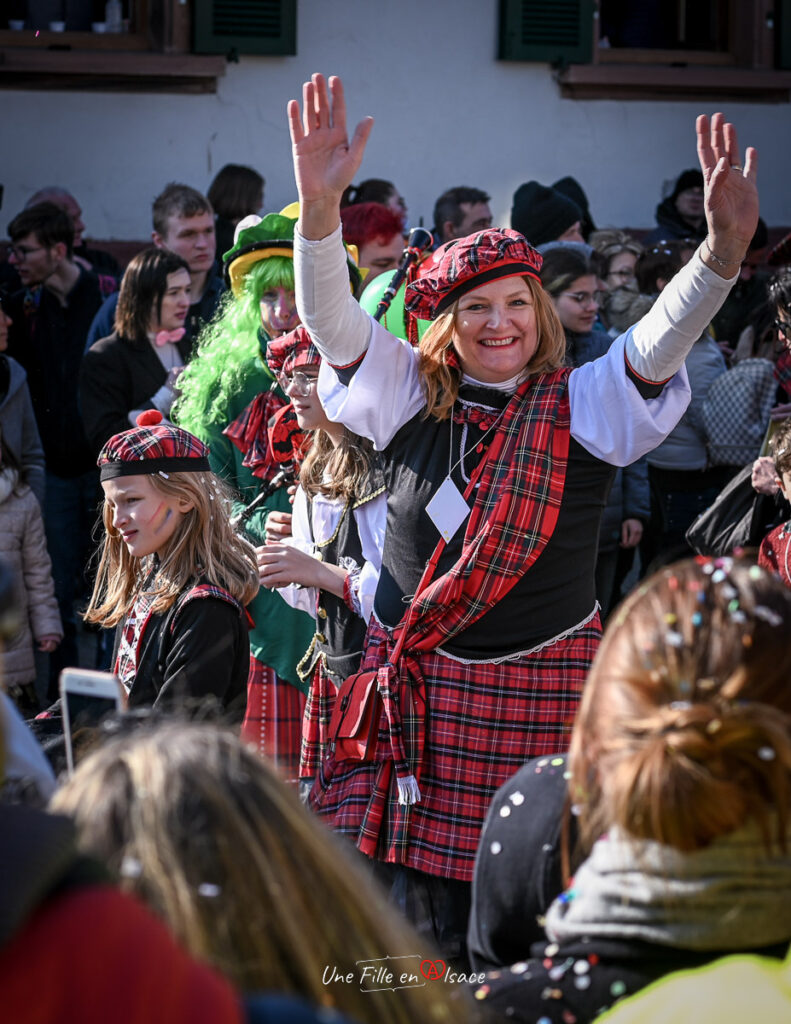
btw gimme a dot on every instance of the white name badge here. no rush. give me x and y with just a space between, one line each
447 510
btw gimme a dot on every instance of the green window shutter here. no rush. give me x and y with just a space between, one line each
246 26
551 31
782 19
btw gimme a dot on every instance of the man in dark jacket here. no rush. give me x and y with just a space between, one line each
51 315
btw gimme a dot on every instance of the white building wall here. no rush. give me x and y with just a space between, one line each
447 113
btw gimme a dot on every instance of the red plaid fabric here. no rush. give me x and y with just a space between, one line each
466 263
774 552
289 352
273 718
267 434
485 721
147 449
783 371
316 722
513 516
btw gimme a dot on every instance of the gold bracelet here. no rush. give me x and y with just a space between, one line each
718 259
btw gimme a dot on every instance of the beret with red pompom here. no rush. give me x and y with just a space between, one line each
466 263
153 446
289 352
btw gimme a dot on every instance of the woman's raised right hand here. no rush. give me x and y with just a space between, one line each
325 161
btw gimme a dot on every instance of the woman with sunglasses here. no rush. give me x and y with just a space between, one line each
499 639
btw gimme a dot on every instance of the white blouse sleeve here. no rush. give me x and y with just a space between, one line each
371 519
303 598
609 416
383 394
657 345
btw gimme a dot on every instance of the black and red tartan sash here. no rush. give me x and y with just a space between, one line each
514 514
267 434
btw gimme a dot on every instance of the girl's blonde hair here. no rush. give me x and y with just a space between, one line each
684 730
204 545
441 381
337 471
202 830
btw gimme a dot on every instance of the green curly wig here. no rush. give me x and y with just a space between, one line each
226 348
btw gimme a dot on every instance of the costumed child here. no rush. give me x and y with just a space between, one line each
330 567
23 548
229 399
173 576
774 552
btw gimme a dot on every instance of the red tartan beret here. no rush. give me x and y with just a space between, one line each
152 447
466 263
287 353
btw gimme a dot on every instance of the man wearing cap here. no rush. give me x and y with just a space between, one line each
183 223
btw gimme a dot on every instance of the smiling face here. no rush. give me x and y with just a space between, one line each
577 306
495 332
175 303
279 311
145 518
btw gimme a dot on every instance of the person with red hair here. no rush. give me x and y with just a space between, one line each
378 233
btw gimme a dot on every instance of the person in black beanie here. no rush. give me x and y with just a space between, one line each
543 214
571 189
681 214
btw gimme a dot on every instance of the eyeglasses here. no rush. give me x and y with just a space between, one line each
20 253
298 384
625 275
584 298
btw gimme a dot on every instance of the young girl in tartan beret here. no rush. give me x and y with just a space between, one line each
173 576
496 648
330 566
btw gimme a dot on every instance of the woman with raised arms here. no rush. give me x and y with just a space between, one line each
502 633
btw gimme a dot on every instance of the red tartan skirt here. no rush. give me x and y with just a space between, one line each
316 722
273 718
483 722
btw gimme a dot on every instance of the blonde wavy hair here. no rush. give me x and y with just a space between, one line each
441 381
684 729
202 830
204 545
337 471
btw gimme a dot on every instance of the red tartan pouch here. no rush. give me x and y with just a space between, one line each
354 726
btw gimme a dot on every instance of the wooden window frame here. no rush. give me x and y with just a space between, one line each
156 57
747 71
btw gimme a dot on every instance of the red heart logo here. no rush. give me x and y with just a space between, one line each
432 970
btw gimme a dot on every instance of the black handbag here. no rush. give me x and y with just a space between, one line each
737 518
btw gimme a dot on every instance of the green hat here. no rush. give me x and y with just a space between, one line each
257 238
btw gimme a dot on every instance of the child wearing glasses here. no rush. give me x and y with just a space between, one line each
330 566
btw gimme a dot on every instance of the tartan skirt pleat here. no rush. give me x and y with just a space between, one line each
484 721
273 718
